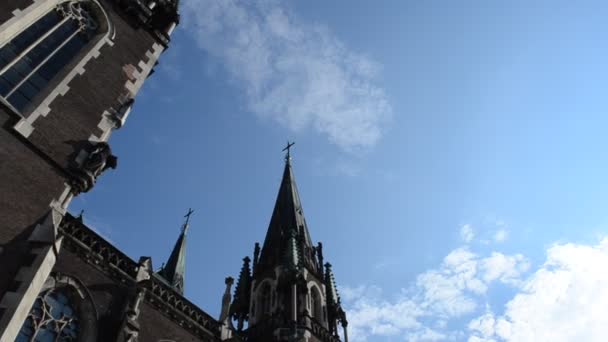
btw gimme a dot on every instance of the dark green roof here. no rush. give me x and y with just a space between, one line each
174 271
286 216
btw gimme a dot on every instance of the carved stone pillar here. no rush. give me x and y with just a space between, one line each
344 325
226 299
44 245
130 326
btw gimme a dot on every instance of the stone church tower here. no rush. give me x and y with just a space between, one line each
288 293
69 74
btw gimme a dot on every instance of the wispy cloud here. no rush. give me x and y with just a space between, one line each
466 233
296 73
488 230
501 235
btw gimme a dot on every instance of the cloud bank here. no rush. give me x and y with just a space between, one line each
566 299
563 299
421 312
295 73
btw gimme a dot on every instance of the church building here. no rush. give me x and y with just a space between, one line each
69 74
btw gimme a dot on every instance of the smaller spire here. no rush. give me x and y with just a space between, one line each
174 271
256 255
239 309
335 313
80 216
330 285
226 299
319 251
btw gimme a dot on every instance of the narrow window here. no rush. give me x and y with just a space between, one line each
317 306
264 301
30 60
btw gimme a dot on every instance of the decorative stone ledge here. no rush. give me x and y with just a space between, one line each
95 250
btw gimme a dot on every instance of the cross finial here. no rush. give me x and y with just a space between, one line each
288 149
79 217
187 216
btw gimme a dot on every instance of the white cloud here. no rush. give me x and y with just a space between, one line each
566 299
295 73
425 335
501 235
422 312
369 314
483 326
507 268
443 291
466 233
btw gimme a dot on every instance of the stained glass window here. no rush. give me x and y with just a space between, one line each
30 60
52 319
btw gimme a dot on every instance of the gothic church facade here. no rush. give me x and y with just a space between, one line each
69 74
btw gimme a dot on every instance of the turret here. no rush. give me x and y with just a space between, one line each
174 271
286 297
239 310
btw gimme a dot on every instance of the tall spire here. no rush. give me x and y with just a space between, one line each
174 270
287 216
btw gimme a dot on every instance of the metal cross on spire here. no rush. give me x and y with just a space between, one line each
288 149
187 216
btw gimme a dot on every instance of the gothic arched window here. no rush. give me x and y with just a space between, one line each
53 318
316 304
63 311
30 60
264 301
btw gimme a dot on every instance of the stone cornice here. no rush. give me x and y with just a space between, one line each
181 310
95 250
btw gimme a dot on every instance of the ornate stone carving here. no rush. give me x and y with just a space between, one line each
98 159
130 328
160 17
76 11
119 115
226 299
63 311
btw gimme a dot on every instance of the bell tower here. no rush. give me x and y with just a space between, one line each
288 293
70 71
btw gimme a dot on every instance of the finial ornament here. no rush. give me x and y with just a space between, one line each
80 217
288 149
187 216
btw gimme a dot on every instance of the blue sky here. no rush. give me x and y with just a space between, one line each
450 156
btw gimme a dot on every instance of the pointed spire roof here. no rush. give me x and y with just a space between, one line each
335 313
240 305
174 270
333 298
287 215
